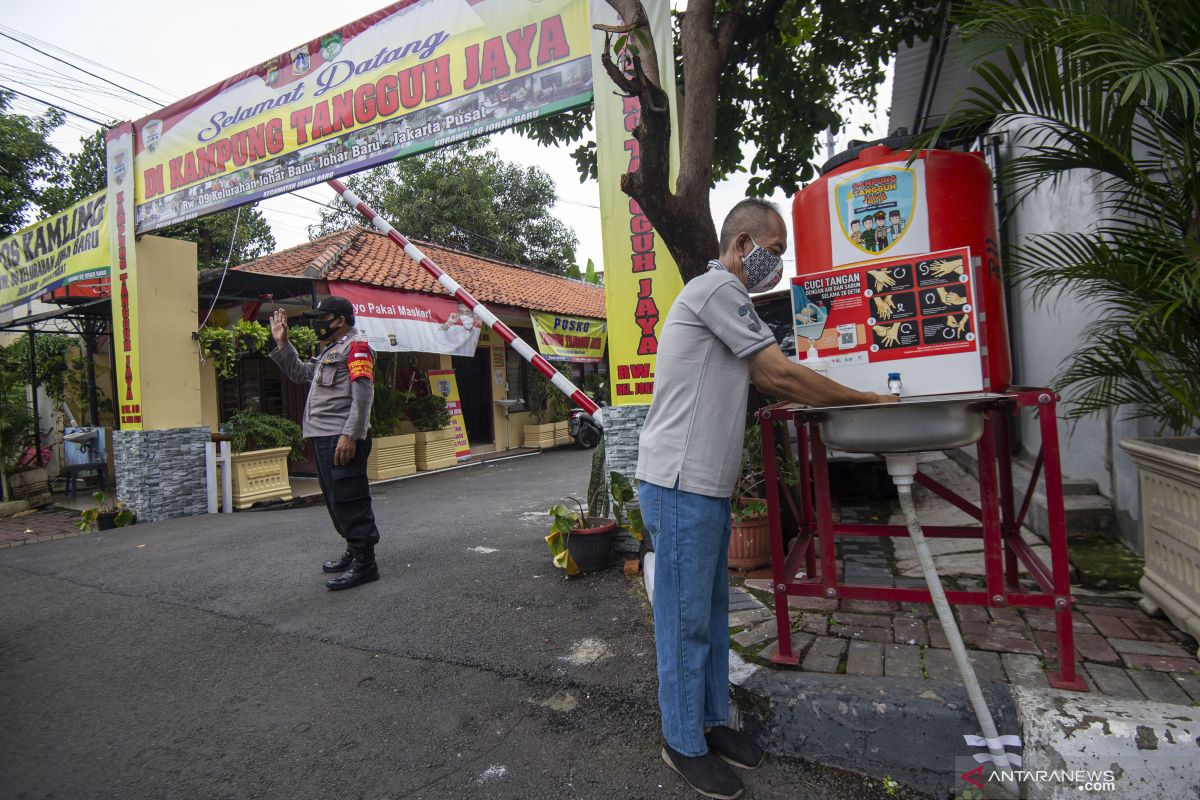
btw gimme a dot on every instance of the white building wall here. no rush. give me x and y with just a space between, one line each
1044 335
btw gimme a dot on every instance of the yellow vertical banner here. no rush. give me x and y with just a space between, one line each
444 382
641 280
124 276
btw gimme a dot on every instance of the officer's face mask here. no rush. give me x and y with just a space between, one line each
763 268
324 328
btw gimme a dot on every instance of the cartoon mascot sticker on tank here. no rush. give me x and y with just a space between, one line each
878 212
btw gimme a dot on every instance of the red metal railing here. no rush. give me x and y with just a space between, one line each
1005 553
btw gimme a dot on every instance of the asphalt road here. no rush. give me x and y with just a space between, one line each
203 658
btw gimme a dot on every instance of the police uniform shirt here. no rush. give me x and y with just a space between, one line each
339 399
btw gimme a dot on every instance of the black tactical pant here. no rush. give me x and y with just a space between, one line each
347 493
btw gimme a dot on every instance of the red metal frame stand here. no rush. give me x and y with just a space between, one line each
1005 552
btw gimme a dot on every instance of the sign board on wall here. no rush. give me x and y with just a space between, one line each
411 77
576 339
444 382
878 212
69 247
396 321
915 316
641 280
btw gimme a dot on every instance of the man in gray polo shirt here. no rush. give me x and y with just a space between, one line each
712 345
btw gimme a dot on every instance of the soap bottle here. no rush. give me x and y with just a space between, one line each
813 360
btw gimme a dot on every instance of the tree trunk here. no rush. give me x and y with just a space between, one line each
683 216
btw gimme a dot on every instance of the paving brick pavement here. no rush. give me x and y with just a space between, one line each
1120 651
38 526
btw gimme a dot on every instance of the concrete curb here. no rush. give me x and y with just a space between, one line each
904 728
912 730
1151 748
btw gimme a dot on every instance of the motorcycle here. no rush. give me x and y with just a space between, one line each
584 429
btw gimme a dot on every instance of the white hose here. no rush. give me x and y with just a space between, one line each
954 638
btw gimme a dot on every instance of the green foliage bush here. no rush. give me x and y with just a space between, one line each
258 431
388 410
429 413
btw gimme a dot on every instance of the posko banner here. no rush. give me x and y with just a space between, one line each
123 255
69 247
576 339
641 279
411 322
413 76
444 382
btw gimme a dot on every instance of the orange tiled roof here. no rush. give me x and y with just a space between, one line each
361 255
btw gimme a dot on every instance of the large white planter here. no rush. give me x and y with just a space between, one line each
436 449
260 475
392 457
562 433
540 436
1169 477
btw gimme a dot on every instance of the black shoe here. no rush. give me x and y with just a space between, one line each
362 569
734 747
707 774
340 565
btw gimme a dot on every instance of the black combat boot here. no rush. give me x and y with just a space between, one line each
341 564
362 569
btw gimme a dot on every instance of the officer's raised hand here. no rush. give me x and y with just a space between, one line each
279 327
344 452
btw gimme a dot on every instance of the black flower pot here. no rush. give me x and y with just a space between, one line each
593 548
108 521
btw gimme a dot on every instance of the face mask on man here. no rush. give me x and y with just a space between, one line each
763 268
323 328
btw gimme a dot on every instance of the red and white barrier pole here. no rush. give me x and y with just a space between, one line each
543 366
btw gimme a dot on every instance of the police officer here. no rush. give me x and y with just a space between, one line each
337 419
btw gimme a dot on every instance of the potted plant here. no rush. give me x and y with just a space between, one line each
393 454
560 409
581 543
1081 107
224 347
540 433
219 348
435 444
261 444
750 532
105 517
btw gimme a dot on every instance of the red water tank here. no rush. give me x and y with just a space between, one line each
871 204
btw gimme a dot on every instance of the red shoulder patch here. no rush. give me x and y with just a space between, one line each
360 361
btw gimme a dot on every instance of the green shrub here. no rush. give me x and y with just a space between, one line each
387 410
429 413
257 431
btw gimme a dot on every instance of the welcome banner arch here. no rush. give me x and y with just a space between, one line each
413 76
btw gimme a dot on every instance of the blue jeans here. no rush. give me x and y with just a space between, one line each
690 533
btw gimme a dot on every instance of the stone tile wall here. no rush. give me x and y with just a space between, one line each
622 431
160 474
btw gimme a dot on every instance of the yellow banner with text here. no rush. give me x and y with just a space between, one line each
641 280
576 339
68 247
124 277
408 78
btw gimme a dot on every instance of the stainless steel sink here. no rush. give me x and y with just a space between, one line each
914 425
